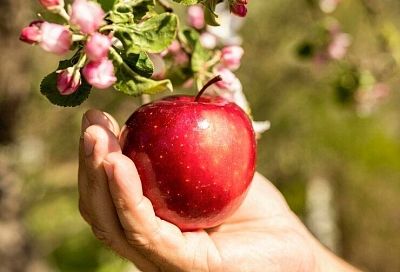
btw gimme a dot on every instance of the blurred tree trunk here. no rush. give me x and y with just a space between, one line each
14 68
16 251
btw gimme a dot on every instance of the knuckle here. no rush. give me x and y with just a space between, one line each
120 204
136 239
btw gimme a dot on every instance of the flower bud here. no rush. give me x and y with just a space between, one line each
52 4
87 15
229 80
68 81
196 17
55 38
239 9
32 33
97 47
208 40
100 74
231 56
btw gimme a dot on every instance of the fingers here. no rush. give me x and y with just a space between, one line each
159 240
95 201
104 119
92 117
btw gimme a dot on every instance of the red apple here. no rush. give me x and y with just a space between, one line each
195 158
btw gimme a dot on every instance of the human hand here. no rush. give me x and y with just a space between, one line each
262 235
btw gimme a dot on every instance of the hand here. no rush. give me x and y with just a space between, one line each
262 235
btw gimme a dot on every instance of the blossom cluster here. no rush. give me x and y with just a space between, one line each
84 21
229 56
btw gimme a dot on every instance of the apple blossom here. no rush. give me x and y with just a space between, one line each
68 81
229 80
52 4
227 32
231 56
32 33
100 74
175 47
87 15
55 38
208 40
196 17
98 46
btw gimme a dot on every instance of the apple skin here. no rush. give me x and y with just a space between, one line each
196 160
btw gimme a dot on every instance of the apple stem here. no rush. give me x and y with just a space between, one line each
208 84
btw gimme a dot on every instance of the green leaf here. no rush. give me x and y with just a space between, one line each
153 35
106 4
48 88
200 55
131 83
140 63
121 14
127 12
209 12
188 2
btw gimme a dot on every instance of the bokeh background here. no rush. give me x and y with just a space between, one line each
333 148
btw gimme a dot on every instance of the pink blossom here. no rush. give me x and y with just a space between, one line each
159 66
239 9
98 46
52 4
196 17
208 40
231 56
55 38
68 81
229 80
87 15
175 47
339 45
181 58
100 74
32 33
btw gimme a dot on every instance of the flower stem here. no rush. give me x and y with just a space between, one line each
81 61
63 13
77 37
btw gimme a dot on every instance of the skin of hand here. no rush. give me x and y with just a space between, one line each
262 235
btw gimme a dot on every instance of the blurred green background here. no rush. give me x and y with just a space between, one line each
322 140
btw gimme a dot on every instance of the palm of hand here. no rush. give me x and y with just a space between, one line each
261 235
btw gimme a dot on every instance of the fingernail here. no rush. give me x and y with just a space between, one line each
109 170
88 143
108 123
85 123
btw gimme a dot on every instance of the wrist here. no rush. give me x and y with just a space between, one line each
326 261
